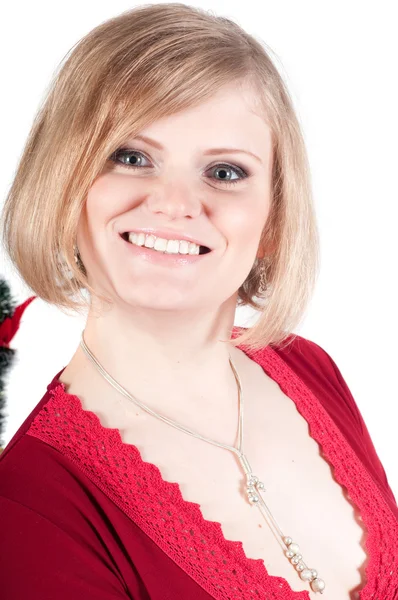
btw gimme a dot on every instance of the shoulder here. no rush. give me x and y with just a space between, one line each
296 349
30 464
320 372
38 409
41 484
35 474
54 530
304 367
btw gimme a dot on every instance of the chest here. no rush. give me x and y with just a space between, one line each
300 489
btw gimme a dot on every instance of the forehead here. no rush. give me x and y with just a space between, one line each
232 116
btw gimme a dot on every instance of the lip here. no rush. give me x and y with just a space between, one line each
162 258
167 234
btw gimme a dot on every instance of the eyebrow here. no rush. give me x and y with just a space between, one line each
209 152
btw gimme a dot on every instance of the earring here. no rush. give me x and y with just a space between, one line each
76 253
77 257
262 277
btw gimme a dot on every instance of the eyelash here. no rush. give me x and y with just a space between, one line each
122 151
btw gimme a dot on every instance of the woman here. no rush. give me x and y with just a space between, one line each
165 181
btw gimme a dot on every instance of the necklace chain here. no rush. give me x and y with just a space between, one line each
122 390
254 486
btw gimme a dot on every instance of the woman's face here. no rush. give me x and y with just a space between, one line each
183 180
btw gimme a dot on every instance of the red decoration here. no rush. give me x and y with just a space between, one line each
10 325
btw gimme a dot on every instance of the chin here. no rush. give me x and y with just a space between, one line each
158 298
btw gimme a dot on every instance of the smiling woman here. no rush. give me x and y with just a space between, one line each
98 119
166 175
213 204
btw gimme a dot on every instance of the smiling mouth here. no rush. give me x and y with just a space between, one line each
202 249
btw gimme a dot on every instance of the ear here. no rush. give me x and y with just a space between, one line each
260 252
267 248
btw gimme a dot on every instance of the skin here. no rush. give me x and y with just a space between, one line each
165 320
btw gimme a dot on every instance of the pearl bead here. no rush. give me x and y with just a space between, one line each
300 566
314 573
260 485
289 553
295 548
288 541
318 585
295 560
306 575
253 499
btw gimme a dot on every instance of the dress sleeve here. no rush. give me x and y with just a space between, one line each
39 560
53 541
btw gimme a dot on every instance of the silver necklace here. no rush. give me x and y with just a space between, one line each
254 487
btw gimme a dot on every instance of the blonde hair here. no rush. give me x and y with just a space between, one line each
131 70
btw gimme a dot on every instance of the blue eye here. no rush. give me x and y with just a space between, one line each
133 159
225 169
129 158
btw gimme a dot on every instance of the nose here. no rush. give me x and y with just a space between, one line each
175 199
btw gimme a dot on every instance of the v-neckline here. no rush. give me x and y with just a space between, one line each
335 450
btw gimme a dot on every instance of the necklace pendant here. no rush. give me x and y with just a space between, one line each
253 486
306 574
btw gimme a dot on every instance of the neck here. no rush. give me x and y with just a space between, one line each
162 360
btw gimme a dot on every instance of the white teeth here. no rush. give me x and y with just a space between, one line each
160 244
140 239
149 241
184 247
163 245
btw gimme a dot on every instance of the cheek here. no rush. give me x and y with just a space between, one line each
244 221
109 196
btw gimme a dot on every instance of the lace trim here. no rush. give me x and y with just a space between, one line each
178 527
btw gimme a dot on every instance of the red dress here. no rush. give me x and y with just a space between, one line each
83 517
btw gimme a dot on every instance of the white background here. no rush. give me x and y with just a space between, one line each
340 63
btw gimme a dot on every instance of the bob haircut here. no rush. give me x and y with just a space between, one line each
142 65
